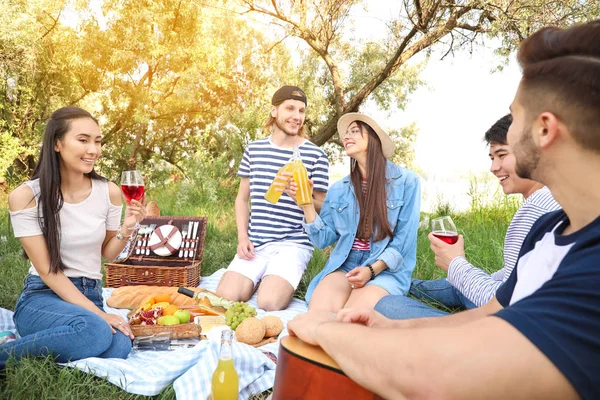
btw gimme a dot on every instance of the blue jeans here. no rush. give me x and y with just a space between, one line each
439 290
47 324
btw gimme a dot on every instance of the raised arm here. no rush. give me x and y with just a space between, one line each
319 199
111 247
320 227
476 284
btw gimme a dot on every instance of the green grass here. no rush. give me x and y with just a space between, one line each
483 228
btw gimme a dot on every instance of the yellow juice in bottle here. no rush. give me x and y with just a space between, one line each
272 195
225 381
303 192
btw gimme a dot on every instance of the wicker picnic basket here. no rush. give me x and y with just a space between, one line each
177 331
161 271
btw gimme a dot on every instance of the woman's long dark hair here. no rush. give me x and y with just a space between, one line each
372 205
47 171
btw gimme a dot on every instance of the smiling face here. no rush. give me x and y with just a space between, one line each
80 147
355 140
504 168
289 116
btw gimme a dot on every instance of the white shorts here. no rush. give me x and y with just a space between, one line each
286 260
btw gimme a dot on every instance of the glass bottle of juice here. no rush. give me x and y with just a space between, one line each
272 195
300 176
225 380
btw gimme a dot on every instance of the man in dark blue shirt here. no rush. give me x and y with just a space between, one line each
540 336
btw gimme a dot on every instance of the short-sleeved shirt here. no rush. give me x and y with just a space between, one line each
281 222
83 229
553 298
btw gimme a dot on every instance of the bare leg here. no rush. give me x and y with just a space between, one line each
331 293
274 293
367 296
235 287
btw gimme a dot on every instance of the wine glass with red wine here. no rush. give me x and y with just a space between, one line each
132 186
443 228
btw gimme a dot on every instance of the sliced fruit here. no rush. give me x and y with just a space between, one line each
162 298
144 307
170 310
162 304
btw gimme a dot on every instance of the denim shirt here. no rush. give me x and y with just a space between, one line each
338 222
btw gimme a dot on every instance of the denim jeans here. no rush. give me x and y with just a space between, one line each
438 291
47 324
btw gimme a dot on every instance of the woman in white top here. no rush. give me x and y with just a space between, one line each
67 218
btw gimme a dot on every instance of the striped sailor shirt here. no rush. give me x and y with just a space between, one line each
479 286
281 222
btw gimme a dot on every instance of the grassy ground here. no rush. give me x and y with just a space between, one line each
484 229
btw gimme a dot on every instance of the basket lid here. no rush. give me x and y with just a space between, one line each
165 240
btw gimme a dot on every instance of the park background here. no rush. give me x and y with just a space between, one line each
181 87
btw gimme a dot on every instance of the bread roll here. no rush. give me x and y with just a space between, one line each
152 209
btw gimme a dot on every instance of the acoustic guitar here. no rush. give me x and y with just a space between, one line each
307 372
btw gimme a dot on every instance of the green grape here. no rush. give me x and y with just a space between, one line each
237 313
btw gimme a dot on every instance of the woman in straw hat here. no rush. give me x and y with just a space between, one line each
373 215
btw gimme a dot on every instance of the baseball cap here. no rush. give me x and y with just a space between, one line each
288 92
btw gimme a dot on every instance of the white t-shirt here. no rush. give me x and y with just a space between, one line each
538 266
83 229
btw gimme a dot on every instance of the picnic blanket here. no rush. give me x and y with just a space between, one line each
190 370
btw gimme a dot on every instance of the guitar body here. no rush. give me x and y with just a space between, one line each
306 372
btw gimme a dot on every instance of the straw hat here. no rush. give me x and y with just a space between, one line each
345 120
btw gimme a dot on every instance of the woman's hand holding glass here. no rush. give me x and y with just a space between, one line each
135 212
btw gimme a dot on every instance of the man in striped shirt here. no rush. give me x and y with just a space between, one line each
466 285
273 248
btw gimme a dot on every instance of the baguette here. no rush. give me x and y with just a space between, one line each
131 297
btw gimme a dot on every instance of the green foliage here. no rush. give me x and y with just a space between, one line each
166 79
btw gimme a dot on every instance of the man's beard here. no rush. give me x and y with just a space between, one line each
282 128
527 156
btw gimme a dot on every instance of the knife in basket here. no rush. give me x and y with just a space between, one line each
183 252
194 238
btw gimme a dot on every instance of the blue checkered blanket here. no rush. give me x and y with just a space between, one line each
189 370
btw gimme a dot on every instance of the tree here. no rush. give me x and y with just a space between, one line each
166 77
377 68
27 87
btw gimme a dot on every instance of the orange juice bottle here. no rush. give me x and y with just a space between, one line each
225 380
300 176
303 192
272 195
